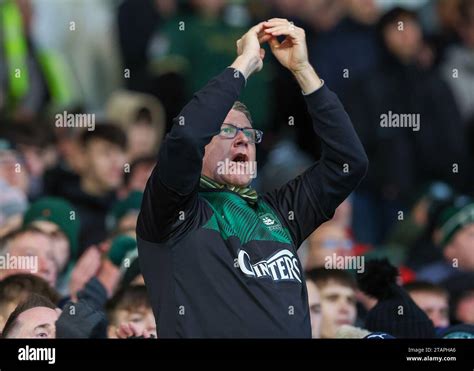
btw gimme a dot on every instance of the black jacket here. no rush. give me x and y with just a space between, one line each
84 319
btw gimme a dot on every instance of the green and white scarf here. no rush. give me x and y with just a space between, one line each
247 193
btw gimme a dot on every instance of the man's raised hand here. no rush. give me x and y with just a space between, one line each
292 52
250 54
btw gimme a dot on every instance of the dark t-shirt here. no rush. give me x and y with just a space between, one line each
218 266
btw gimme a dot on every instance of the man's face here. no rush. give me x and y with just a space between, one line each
231 161
461 248
39 322
364 11
465 309
9 165
314 302
141 138
434 305
33 244
36 159
328 239
104 162
142 318
338 306
59 240
128 222
403 38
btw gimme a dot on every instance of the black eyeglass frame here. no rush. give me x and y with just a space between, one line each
258 133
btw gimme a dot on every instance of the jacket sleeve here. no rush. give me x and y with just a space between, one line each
86 318
170 196
311 199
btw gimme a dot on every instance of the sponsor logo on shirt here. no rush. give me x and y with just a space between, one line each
281 266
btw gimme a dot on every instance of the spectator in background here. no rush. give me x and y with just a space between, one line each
314 302
35 143
16 288
90 66
461 289
135 37
197 45
136 178
131 305
45 79
338 304
26 92
444 34
30 242
103 155
142 118
425 249
395 312
354 34
416 236
456 236
13 171
13 186
458 68
402 159
330 238
123 215
323 15
432 299
351 26
57 218
34 318
292 122
104 264
38 317
65 175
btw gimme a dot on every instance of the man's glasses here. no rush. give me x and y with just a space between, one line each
230 131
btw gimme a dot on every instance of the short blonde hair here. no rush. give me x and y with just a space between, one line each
239 106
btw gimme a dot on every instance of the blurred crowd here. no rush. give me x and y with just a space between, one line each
89 88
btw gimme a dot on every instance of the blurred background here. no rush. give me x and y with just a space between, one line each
131 65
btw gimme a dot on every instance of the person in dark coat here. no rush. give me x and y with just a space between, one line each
409 124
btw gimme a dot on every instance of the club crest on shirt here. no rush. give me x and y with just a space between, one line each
270 222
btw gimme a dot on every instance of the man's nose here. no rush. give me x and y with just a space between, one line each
241 139
46 266
344 307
